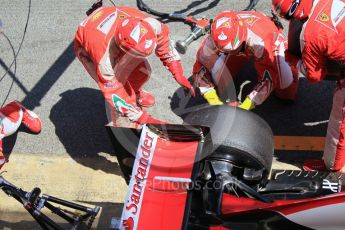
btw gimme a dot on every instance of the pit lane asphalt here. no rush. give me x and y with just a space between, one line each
48 79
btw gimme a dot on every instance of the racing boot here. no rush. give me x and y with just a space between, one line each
145 99
212 98
314 165
30 119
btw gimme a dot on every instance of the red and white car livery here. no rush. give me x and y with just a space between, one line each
179 181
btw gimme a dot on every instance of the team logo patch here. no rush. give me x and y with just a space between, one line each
148 43
268 80
122 16
97 16
223 22
332 15
222 36
333 186
138 32
121 105
324 17
143 30
226 24
249 19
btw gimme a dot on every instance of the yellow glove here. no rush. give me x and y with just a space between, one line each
212 98
247 104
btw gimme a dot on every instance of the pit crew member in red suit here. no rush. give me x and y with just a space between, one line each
113 44
236 38
322 39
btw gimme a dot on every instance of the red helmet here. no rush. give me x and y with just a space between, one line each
298 9
228 31
136 37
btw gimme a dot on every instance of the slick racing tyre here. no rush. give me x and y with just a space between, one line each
237 136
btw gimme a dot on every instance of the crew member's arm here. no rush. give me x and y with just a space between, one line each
167 53
260 92
85 59
207 58
114 91
119 94
313 63
206 55
264 62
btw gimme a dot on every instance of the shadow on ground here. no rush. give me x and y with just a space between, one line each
308 116
193 6
10 141
8 144
79 118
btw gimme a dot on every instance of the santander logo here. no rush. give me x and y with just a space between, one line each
128 224
132 206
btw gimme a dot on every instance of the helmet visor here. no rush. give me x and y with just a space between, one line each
292 9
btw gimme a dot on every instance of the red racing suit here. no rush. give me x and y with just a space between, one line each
323 38
266 44
120 75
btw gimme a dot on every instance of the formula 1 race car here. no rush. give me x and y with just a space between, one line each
214 172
